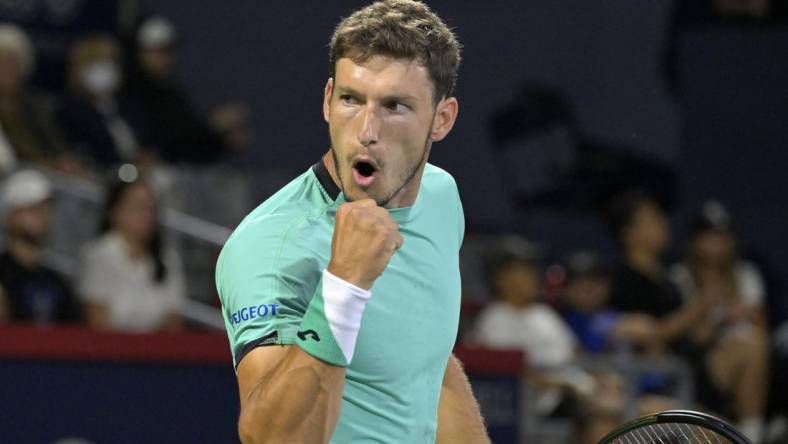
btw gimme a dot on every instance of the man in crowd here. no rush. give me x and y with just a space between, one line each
29 290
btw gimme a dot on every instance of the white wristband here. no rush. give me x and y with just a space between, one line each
344 304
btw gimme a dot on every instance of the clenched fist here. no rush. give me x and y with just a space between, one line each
365 238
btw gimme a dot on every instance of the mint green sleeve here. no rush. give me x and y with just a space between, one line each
315 336
266 280
460 218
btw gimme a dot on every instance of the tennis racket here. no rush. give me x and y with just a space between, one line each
676 427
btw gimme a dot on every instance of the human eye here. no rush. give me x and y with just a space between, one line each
348 99
395 106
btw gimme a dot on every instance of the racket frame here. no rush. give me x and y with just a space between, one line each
680 417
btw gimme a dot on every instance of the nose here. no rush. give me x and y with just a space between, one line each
370 127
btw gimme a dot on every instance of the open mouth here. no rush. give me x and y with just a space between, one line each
364 173
366 169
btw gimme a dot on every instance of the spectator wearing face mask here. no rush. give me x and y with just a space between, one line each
105 128
180 133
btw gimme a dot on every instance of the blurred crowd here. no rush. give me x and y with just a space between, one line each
128 280
122 103
122 123
583 323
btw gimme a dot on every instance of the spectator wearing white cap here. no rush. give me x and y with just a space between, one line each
29 290
181 134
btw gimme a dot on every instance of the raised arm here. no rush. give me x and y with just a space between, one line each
459 418
293 393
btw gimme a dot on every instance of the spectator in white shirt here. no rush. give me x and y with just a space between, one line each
129 281
516 319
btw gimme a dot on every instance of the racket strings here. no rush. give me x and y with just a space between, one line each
671 433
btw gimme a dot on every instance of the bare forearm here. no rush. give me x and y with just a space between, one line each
298 401
459 418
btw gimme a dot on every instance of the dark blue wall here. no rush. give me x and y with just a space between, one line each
604 57
113 403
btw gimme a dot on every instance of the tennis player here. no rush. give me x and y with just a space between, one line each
341 292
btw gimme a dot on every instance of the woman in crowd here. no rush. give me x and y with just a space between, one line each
129 280
729 343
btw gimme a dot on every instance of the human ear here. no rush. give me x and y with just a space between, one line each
328 91
445 116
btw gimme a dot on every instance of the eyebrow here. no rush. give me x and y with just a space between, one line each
398 98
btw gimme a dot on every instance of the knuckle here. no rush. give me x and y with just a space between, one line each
383 235
356 213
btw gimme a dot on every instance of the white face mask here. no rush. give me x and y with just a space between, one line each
100 77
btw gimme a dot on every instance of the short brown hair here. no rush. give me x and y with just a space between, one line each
402 29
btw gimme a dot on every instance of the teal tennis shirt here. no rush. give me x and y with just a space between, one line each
269 270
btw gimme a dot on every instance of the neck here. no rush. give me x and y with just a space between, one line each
644 261
406 196
25 253
134 248
518 305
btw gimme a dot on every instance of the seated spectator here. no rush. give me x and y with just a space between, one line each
585 303
105 128
599 328
29 290
729 342
129 280
28 132
641 284
602 331
180 133
712 261
516 319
